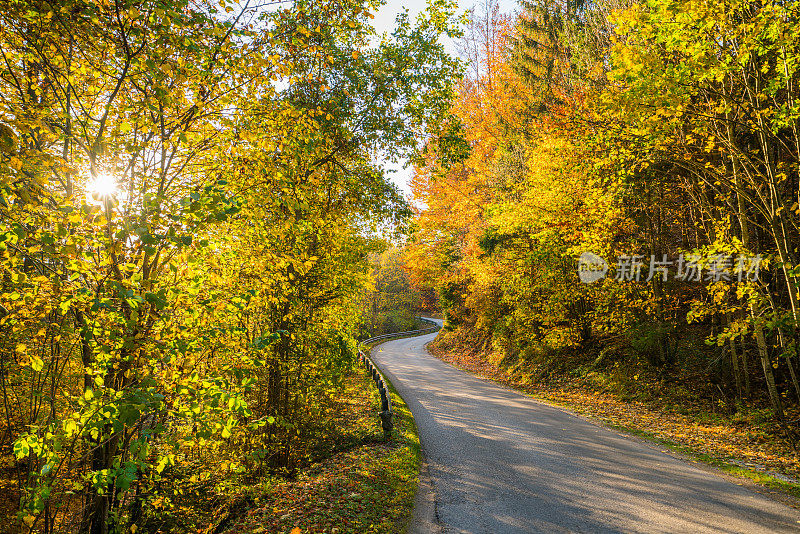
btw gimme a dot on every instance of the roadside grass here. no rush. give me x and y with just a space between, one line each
368 488
740 445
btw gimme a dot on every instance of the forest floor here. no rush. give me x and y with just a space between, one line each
368 487
742 445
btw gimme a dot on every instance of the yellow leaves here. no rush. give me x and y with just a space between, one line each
15 163
624 19
70 429
36 363
40 280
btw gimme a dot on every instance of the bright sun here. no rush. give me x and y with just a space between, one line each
102 186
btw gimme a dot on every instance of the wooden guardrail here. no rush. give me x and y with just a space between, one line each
387 416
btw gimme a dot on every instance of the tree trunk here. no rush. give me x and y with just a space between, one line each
737 375
766 364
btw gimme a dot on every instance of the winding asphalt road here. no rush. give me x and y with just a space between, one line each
501 462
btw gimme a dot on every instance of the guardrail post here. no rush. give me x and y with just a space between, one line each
387 424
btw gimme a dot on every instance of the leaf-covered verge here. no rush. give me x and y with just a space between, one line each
742 444
362 484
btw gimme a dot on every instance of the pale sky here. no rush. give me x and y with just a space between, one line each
385 21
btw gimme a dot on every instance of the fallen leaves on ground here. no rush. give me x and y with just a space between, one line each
367 489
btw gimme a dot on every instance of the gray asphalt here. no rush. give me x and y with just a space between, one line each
501 462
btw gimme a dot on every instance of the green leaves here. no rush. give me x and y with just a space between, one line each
21 448
158 300
216 283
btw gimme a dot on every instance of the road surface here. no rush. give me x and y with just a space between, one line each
500 462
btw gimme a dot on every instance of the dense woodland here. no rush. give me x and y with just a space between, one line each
663 130
188 205
392 303
194 232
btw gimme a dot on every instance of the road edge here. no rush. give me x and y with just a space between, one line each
424 518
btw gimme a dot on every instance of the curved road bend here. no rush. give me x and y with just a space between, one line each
501 462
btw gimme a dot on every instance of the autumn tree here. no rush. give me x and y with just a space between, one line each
659 131
187 203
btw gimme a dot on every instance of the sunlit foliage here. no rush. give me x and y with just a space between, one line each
187 204
624 128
